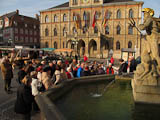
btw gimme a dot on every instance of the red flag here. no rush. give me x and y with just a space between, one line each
94 19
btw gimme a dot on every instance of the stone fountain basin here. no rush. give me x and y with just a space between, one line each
45 101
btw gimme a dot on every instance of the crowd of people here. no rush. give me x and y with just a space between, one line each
35 77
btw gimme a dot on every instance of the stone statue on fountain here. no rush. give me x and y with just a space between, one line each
148 72
146 81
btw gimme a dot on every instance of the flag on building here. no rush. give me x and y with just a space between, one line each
94 19
105 19
78 21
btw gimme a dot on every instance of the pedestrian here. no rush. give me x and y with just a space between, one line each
80 71
7 74
123 67
21 74
110 69
23 104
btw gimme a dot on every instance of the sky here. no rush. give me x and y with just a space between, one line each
32 7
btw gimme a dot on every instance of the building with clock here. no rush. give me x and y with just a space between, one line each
92 27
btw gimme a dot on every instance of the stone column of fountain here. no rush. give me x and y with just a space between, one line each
146 82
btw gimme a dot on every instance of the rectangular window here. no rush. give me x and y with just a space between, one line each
21 39
16 38
35 32
16 30
35 40
26 39
31 39
21 31
31 32
26 32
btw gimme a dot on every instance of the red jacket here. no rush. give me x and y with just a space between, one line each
110 71
68 75
112 60
85 58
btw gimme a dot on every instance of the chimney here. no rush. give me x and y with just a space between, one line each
17 11
37 16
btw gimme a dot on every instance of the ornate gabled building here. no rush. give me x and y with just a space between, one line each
92 27
16 29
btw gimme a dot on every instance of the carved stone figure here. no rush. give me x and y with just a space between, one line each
150 66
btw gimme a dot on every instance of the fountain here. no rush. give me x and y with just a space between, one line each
146 82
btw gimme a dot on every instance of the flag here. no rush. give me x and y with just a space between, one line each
105 19
85 19
78 21
94 19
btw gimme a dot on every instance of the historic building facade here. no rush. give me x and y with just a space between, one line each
16 29
91 27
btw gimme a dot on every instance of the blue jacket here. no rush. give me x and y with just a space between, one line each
79 72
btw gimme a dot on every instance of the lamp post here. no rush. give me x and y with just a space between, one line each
10 42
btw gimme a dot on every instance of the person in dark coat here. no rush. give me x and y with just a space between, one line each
133 64
123 66
23 104
21 74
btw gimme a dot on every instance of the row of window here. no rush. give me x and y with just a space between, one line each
74 31
118 46
25 25
86 16
75 2
27 32
25 39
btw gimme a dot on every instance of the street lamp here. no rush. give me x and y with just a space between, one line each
10 42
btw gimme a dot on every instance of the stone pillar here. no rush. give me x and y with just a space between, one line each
86 48
98 46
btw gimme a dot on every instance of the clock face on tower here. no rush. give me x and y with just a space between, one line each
85 1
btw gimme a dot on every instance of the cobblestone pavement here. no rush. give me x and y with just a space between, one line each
7 101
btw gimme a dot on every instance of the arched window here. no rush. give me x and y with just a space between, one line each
75 2
55 32
74 30
129 44
130 30
94 45
84 16
74 17
72 46
55 45
64 31
46 44
55 18
118 45
64 17
95 30
46 32
118 30
46 19
106 30
130 13
118 14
